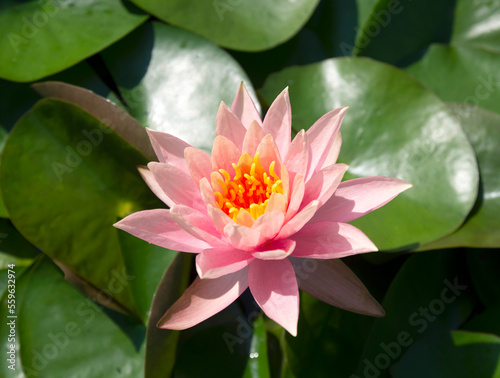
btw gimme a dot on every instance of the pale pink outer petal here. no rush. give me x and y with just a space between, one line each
224 154
297 158
278 122
244 108
333 155
331 281
177 185
357 197
217 262
242 237
321 138
150 180
199 164
203 299
276 250
252 138
269 224
274 287
296 197
197 224
228 125
298 221
331 240
323 183
168 149
158 227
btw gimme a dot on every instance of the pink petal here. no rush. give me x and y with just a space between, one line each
224 154
197 224
334 150
168 148
298 154
199 164
203 299
274 287
269 224
321 138
357 197
275 250
298 190
244 108
331 240
158 227
252 138
150 180
278 122
207 193
242 237
217 262
268 152
228 125
277 201
220 218
331 281
299 220
244 218
177 185
323 183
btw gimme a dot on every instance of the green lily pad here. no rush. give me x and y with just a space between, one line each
14 249
394 127
457 354
483 266
68 335
461 74
173 80
429 294
328 338
161 344
41 38
486 322
236 24
480 229
391 30
87 177
476 24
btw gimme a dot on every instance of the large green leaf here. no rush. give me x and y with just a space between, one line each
476 24
41 38
392 30
461 74
456 354
173 80
237 24
395 128
63 334
87 177
429 294
480 230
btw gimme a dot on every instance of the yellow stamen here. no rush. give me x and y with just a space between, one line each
249 189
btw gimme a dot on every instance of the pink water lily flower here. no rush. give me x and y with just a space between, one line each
262 212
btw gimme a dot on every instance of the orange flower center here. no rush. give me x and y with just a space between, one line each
250 188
